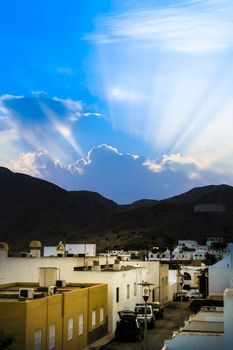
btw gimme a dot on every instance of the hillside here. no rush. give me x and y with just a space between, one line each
35 209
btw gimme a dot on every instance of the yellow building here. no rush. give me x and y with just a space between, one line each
163 283
62 318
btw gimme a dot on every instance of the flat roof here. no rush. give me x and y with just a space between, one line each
199 334
208 316
10 292
204 327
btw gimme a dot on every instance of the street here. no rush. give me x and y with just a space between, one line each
163 329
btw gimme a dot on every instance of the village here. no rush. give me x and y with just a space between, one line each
69 297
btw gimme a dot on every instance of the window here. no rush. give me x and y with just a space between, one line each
117 294
52 336
135 289
187 276
101 314
70 328
128 291
37 339
93 318
80 324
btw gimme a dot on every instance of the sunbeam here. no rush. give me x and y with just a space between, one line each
162 72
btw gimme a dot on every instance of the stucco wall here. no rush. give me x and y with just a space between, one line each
219 279
23 318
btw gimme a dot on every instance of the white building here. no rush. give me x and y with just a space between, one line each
200 255
191 274
207 330
188 244
158 255
203 331
71 249
122 279
221 275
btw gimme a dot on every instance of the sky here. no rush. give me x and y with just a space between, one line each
132 99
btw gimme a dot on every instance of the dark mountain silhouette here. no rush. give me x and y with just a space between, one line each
36 209
217 194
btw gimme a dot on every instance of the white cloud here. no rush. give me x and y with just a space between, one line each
90 114
8 135
48 125
65 70
191 27
74 108
121 94
118 176
9 97
38 93
32 163
153 166
177 158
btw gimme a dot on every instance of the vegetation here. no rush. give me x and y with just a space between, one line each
6 340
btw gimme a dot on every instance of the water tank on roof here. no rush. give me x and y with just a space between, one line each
4 246
35 245
47 276
60 249
35 249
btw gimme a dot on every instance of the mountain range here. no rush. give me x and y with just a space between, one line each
31 208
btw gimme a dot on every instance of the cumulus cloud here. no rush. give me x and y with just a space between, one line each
32 163
38 122
118 176
41 165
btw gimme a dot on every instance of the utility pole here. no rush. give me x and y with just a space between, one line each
145 293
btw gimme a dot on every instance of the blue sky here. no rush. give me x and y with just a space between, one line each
132 99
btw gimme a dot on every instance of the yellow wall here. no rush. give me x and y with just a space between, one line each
36 318
97 298
41 314
23 318
75 303
12 321
163 283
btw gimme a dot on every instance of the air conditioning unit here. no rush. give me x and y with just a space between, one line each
26 293
60 283
24 254
52 290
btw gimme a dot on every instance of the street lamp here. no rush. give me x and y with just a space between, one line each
145 293
181 284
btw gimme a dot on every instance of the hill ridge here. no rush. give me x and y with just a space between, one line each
31 208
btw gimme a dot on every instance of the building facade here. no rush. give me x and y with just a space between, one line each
68 319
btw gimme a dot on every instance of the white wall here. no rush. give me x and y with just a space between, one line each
116 279
201 342
17 269
87 249
220 275
228 319
219 279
